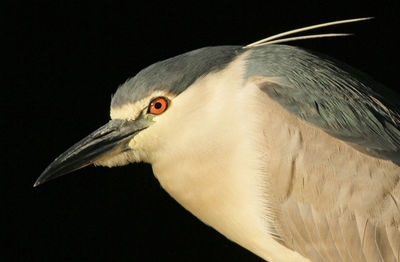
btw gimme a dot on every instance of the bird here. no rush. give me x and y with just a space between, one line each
293 155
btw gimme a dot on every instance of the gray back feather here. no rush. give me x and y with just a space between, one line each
341 100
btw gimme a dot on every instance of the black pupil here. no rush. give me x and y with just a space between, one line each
158 105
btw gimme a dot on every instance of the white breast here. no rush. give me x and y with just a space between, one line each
213 165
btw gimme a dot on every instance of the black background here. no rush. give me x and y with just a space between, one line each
62 61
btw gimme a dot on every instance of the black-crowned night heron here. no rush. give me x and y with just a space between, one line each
291 154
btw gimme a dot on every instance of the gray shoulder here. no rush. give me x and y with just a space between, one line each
331 95
175 74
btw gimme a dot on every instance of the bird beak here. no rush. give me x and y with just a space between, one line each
110 139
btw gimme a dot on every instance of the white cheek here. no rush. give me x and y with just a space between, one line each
145 143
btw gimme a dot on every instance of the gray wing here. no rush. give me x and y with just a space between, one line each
331 95
330 202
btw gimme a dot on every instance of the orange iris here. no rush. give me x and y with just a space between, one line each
158 105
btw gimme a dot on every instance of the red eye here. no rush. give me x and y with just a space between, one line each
158 105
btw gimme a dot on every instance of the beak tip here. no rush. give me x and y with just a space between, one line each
38 182
46 175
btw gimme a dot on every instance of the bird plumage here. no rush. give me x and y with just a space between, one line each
328 196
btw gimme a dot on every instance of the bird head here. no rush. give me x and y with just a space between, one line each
144 112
